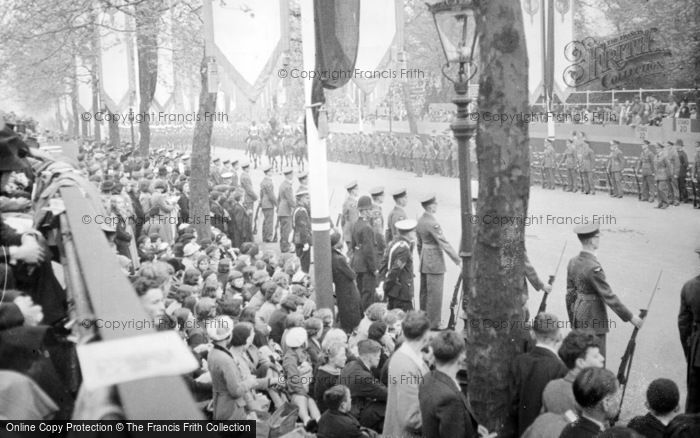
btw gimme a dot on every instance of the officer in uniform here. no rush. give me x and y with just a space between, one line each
301 223
689 329
662 168
398 286
285 204
616 162
549 163
645 170
377 220
569 162
397 214
268 203
431 244
303 179
588 168
675 168
215 173
682 171
364 259
350 214
247 186
587 291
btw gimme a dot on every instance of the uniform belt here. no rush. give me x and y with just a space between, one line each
588 297
431 245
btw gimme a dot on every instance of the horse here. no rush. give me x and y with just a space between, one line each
274 150
301 152
256 146
288 149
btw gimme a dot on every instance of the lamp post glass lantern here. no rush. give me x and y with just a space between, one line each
456 27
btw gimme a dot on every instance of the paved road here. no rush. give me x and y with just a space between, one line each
637 241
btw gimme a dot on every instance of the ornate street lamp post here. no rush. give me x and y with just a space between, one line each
456 27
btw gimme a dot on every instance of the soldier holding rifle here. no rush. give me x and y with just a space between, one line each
588 292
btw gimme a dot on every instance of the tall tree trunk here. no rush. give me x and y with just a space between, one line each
59 116
201 157
502 151
147 20
74 102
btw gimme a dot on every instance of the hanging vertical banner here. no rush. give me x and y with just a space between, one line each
114 60
563 35
378 37
249 39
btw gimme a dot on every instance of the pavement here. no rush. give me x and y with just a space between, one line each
637 242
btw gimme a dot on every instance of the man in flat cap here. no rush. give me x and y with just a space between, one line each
397 214
587 291
301 223
286 203
662 168
645 169
350 214
268 203
689 329
431 244
364 260
398 286
616 162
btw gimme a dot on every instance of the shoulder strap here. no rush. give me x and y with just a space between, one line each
396 245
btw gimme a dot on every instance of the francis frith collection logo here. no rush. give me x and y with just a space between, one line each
631 55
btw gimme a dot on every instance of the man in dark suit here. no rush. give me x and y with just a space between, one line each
363 250
368 394
286 204
445 411
597 392
240 226
530 372
301 223
689 328
431 245
587 291
398 285
247 186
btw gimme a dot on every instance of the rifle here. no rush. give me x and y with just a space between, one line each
695 192
543 303
277 225
636 179
610 185
455 304
255 219
623 373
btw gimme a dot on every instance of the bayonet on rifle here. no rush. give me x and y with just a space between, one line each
543 303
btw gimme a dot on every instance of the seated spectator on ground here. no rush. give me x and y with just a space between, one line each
328 373
314 329
662 401
277 319
325 315
579 350
368 393
298 373
336 421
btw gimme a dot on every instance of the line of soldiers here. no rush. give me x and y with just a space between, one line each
660 171
434 154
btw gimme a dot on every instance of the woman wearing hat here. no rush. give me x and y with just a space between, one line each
231 388
165 210
299 372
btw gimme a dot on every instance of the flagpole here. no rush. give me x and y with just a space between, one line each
318 172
